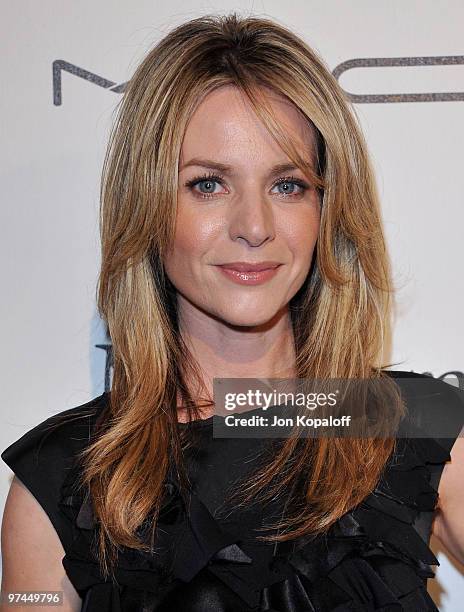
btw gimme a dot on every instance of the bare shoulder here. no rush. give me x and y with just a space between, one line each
448 526
31 549
451 486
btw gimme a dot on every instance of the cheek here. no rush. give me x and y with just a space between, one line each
193 237
185 247
305 243
186 238
302 235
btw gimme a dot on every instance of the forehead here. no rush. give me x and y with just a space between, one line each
225 125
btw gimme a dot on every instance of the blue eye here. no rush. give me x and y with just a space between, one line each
208 183
209 180
289 183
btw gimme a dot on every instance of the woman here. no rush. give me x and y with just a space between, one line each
234 150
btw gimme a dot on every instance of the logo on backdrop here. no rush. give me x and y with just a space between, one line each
60 66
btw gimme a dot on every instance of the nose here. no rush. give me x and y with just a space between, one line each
252 219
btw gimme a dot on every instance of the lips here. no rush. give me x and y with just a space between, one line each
243 266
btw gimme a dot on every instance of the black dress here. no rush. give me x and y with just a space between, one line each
207 558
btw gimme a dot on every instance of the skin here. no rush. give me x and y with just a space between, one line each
448 525
32 552
233 330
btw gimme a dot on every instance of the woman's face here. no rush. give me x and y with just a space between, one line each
237 203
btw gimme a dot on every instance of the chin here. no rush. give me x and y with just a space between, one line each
247 319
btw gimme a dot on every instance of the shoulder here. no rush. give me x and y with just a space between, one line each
42 457
433 456
423 386
448 525
57 437
435 408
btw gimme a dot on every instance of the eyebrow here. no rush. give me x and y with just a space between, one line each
228 170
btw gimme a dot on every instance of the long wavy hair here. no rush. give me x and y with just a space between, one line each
341 315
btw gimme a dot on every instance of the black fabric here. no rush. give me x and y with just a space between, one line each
207 557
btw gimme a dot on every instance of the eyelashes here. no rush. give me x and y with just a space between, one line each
216 178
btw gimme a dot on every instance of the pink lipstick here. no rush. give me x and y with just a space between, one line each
247 273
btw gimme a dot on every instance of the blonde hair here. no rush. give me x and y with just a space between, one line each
340 316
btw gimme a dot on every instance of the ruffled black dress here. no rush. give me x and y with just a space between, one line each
207 557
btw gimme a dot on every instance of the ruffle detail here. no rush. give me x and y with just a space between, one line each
372 559
187 540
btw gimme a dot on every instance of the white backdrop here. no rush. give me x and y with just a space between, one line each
53 151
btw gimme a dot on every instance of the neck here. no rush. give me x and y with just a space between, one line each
227 351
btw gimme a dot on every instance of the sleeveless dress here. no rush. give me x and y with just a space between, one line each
376 557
